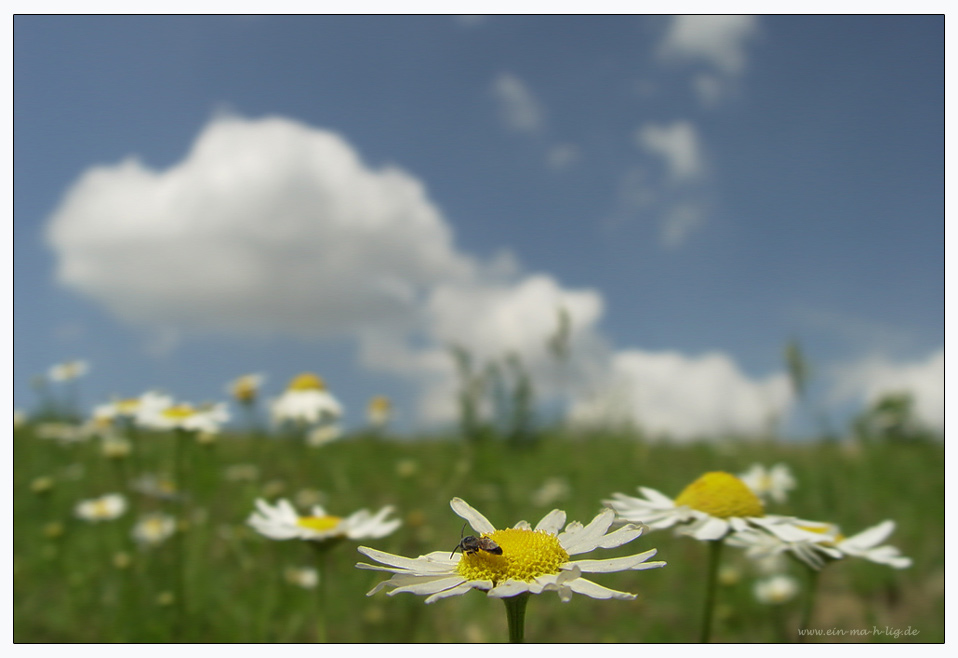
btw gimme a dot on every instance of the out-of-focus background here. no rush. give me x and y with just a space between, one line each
201 196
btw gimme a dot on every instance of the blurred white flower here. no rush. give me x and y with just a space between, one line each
816 543
159 413
379 410
553 490
115 447
305 577
776 589
20 418
68 371
323 434
774 483
283 522
245 389
104 508
306 401
62 432
153 529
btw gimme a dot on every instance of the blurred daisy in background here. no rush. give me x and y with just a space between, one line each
160 413
245 389
774 482
379 410
68 371
154 529
306 402
104 508
305 577
815 543
282 521
776 589
323 434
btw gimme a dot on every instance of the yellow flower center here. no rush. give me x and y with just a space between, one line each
307 382
721 495
179 412
319 523
526 554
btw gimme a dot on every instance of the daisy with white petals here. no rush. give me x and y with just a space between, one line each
710 508
774 482
306 401
513 563
283 522
815 543
160 413
104 508
321 531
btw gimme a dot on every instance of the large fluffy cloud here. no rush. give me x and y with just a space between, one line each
874 377
274 226
667 393
266 225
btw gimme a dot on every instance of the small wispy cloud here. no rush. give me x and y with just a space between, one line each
518 107
717 44
677 144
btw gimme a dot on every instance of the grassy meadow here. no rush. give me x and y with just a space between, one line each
217 580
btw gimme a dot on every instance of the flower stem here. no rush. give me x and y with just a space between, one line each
321 563
516 614
715 553
809 600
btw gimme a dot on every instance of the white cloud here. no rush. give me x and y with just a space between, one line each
518 107
667 393
266 225
717 41
272 226
677 144
870 379
562 156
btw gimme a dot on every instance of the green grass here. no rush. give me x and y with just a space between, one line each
68 589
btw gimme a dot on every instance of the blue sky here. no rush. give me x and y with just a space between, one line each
200 197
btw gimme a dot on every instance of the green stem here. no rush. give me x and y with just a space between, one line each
715 553
321 562
516 614
809 599
181 440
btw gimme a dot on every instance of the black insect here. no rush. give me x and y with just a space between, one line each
470 545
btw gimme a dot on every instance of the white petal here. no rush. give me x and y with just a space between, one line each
509 588
522 525
466 511
422 564
870 537
460 589
425 586
552 522
596 591
623 535
707 528
586 539
615 563
656 497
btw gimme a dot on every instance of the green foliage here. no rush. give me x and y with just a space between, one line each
69 586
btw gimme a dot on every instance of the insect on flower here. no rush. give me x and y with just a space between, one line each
471 545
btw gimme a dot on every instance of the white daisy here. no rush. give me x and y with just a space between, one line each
776 589
104 508
816 543
532 560
708 509
159 413
379 410
305 577
774 483
245 389
306 401
153 529
68 371
283 522
323 434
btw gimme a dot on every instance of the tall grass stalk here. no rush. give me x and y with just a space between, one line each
715 556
